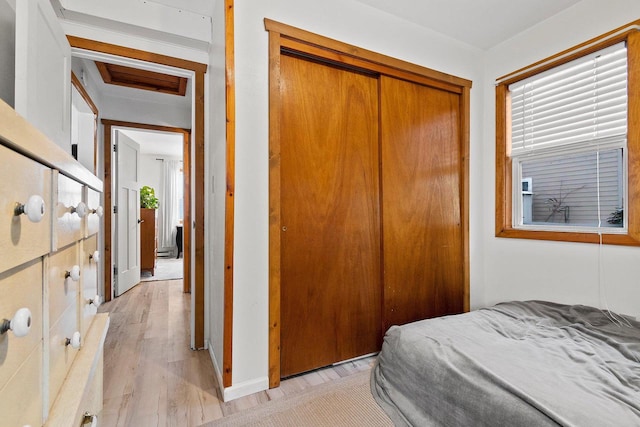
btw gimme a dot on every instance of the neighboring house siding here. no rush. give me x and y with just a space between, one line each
572 181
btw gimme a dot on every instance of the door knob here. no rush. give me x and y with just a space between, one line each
140 221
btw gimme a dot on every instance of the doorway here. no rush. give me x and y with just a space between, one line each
158 159
163 155
193 232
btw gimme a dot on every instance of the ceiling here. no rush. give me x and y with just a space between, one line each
156 142
126 93
136 78
480 23
202 7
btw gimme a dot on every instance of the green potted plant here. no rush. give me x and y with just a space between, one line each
148 199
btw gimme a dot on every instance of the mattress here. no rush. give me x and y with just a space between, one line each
529 363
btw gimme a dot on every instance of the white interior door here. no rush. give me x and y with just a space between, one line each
43 71
128 210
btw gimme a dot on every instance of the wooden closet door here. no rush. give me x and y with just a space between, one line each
330 253
421 202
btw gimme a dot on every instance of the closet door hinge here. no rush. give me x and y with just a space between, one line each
115 148
115 209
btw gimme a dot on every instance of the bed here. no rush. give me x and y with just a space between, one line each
529 363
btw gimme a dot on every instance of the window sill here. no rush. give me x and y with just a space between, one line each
563 236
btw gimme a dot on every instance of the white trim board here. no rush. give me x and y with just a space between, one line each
238 390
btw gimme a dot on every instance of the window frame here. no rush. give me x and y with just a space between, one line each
504 166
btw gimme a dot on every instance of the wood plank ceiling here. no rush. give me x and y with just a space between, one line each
142 79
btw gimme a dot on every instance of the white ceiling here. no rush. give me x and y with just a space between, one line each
157 143
479 23
202 7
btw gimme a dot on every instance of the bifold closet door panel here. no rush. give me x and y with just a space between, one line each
421 193
330 238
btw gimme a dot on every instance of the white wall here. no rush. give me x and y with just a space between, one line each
119 36
138 111
151 173
353 23
561 272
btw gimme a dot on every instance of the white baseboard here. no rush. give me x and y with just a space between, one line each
216 367
245 388
242 389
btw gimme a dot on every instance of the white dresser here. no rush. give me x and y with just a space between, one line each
51 353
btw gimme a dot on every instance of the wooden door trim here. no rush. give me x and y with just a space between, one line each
275 243
283 37
465 133
186 217
199 165
344 53
230 106
126 52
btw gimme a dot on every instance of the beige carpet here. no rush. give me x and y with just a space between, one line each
344 402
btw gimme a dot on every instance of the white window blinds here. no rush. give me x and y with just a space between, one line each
583 102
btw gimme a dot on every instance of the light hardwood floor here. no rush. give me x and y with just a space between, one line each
152 378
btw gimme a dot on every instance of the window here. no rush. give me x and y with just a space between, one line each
565 149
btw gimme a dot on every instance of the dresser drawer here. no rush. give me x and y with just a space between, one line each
92 399
82 389
22 240
69 219
62 291
88 306
61 355
92 200
21 397
20 287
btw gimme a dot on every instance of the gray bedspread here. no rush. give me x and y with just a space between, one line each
515 364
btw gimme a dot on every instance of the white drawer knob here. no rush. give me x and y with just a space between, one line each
81 210
74 273
96 301
98 211
95 256
34 208
20 323
74 341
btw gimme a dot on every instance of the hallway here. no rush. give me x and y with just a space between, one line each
151 377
